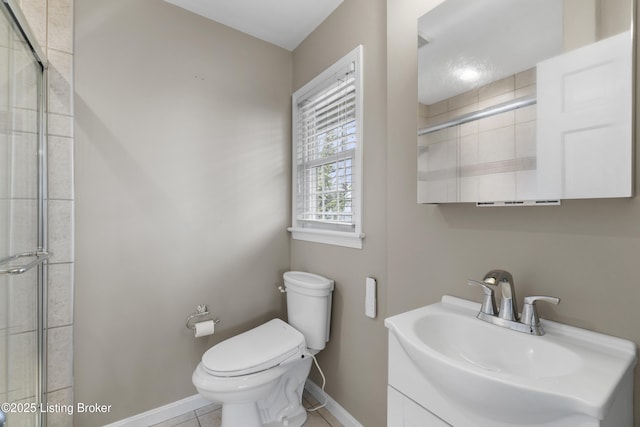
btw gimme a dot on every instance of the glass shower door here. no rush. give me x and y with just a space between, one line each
22 227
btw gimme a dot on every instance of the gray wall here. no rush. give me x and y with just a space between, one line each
355 358
585 251
182 185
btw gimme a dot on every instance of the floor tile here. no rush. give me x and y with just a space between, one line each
211 419
309 401
184 420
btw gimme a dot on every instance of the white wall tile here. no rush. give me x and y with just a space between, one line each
526 114
24 233
60 295
468 189
61 230
35 11
59 358
468 150
60 170
23 363
527 185
24 178
438 108
59 125
23 297
526 140
495 100
466 99
497 121
526 91
4 356
60 23
60 418
60 78
497 88
5 172
497 187
498 144
526 78
4 322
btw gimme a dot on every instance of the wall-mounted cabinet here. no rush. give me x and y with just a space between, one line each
533 101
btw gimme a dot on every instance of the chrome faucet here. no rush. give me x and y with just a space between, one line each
507 316
504 280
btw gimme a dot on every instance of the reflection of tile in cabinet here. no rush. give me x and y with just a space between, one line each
497 88
465 99
525 78
526 140
497 144
496 187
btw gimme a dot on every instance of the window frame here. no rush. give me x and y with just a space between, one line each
333 234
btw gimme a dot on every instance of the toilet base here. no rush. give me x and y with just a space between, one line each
283 408
275 401
244 413
247 415
296 421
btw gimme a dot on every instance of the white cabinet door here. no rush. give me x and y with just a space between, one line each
584 147
404 412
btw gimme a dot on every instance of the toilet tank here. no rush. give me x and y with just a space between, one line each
309 306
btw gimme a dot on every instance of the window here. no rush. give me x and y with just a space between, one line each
327 156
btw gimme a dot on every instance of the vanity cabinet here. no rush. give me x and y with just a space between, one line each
404 412
416 400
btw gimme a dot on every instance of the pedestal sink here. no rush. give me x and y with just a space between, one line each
467 372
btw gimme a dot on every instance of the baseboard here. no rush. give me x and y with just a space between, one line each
334 407
196 401
163 413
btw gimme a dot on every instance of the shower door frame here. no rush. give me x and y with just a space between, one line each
21 25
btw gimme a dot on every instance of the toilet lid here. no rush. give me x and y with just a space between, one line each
260 348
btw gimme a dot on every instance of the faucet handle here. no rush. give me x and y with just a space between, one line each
529 312
488 301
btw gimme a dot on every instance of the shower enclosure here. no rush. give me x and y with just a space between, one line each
23 227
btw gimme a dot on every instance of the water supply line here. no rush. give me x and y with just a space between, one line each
324 382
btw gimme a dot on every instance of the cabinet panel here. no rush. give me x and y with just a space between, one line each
584 121
404 412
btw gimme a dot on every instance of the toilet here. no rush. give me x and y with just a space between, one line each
259 375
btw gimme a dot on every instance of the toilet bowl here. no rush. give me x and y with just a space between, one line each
259 375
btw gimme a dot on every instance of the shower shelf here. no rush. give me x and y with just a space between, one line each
40 257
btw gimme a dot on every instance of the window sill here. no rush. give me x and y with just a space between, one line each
337 238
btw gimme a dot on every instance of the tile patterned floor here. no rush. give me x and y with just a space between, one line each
209 416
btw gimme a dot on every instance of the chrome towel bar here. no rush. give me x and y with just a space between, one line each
40 257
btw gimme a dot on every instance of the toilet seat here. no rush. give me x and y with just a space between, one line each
266 346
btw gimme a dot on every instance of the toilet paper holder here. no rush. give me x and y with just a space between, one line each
201 310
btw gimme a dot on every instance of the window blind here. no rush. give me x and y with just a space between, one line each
326 144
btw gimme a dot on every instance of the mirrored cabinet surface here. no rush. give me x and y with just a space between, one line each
525 102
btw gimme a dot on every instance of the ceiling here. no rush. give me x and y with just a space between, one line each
284 23
471 43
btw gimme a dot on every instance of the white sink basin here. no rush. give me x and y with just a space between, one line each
512 375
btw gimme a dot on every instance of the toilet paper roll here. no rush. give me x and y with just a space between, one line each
205 328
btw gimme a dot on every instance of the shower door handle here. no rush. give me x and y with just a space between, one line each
40 257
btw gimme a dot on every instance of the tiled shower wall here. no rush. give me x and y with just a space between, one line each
488 159
52 24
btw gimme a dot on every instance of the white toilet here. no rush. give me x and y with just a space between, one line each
259 375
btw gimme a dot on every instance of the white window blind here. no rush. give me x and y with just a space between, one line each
327 155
